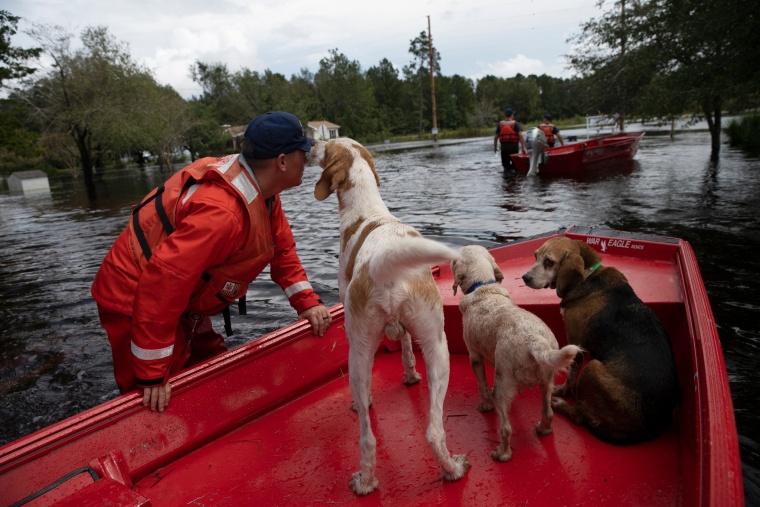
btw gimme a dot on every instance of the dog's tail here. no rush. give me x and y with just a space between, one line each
557 360
395 260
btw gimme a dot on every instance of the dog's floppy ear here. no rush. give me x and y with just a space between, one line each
570 272
497 274
338 161
367 156
458 276
589 255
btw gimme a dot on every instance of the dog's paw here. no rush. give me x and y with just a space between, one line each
562 390
503 456
412 378
356 409
360 486
461 465
544 429
561 406
485 406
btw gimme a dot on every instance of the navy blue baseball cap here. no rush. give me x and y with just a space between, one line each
509 111
547 116
276 132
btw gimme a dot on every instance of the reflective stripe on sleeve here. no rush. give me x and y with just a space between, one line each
297 287
151 354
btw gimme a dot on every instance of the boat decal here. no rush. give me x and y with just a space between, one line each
605 243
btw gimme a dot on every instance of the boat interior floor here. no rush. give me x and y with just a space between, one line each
304 453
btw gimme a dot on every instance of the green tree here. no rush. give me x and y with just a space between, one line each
455 99
520 93
388 90
346 95
711 49
220 92
96 97
419 47
490 96
203 137
261 92
667 58
19 148
13 59
557 96
303 97
524 96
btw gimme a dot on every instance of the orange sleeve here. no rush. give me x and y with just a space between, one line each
286 268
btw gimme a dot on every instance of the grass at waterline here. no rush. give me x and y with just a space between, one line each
745 133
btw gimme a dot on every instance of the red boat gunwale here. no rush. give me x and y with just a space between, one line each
584 156
269 421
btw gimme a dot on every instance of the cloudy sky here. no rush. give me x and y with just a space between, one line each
474 37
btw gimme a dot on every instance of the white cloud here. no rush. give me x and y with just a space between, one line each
520 64
475 37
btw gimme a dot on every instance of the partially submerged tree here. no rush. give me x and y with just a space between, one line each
98 98
671 57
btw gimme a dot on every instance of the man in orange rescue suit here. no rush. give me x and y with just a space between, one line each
510 134
550 131
191 248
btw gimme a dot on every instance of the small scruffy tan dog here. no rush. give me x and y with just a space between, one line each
517 344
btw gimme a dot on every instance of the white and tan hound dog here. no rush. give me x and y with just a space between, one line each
387 288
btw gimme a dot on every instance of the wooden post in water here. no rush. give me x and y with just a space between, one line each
432 82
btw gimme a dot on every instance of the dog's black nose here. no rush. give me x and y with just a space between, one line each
527 278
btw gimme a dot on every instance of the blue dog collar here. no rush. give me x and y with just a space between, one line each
478 284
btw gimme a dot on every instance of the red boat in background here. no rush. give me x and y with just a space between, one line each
269 423
583 156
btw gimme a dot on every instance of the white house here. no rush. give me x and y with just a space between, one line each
236 132
322 130
28 181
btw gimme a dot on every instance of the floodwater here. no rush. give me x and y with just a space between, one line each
55 360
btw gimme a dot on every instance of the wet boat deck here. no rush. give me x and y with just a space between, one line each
305 452
270 422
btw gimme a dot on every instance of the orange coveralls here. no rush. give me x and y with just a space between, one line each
155 307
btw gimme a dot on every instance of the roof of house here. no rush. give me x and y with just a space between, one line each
29 175
317 124
236 130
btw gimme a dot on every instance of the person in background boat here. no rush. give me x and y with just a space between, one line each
550 131
510 133
191 248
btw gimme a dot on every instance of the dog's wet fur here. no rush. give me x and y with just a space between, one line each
516 343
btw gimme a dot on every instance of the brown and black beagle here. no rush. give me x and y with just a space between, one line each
628 390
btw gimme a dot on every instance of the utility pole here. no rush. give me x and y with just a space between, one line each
622 61
432 82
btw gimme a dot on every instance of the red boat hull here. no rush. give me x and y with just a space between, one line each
584 156
270 423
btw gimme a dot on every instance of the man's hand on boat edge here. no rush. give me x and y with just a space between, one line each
319 317
157 398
